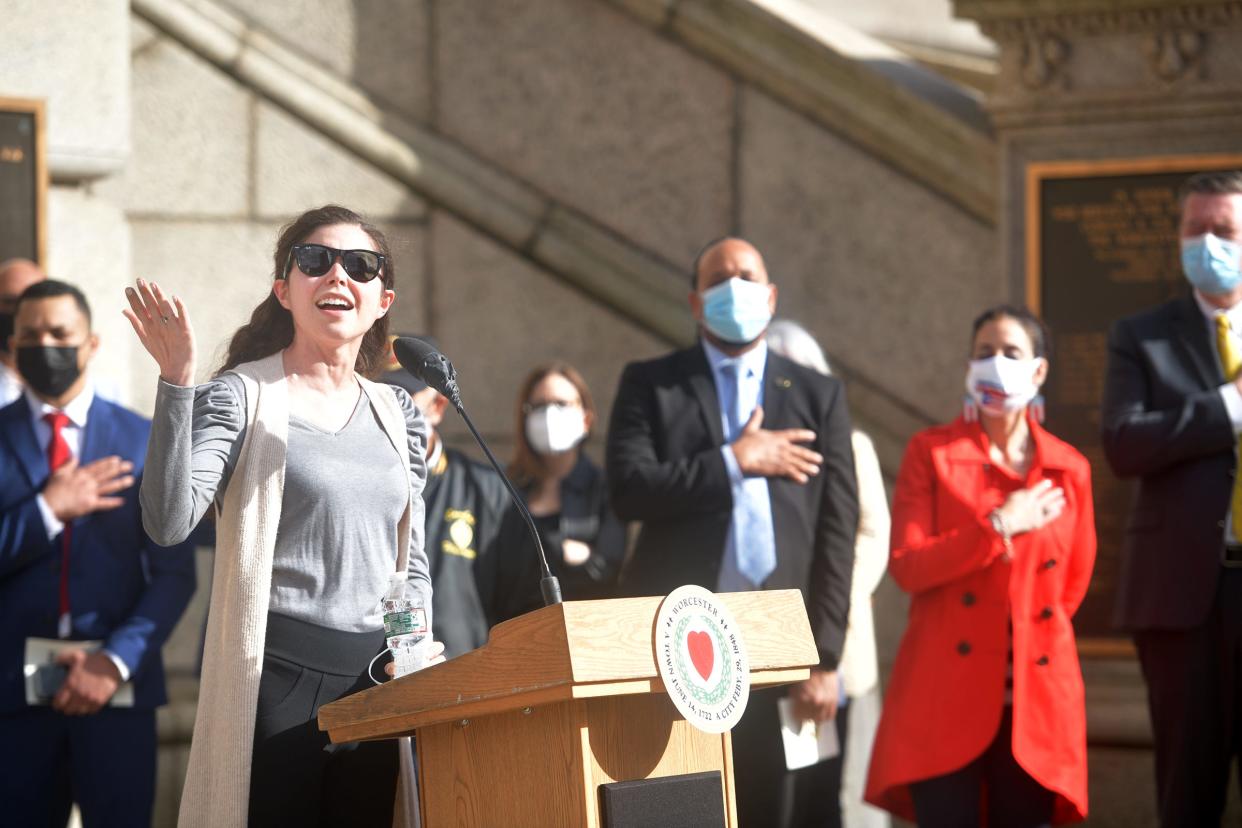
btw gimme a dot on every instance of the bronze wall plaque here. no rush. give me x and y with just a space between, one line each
23 180
1101 243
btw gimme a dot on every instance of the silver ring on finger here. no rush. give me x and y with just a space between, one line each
164 319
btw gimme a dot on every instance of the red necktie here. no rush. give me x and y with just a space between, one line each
57 456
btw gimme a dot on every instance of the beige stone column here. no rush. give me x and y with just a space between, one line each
77 61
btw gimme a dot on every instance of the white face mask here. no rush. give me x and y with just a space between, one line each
552 429
999 384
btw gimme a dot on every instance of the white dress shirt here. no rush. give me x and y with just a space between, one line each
751 366
1228 392
749 391
76 410
72 432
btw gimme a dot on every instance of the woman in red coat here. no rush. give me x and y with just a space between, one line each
994 539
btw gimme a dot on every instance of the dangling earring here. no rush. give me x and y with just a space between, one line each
970 409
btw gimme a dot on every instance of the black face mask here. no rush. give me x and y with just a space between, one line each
48 370
6 330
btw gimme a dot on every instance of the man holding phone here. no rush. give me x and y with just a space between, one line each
76 566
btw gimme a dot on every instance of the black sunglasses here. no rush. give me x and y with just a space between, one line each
316 259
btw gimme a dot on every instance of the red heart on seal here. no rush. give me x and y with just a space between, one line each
702 653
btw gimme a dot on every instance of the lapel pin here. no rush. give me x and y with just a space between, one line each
784 382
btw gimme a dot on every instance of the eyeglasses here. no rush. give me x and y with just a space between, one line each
316 259
561 405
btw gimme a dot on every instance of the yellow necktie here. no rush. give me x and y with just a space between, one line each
1231 361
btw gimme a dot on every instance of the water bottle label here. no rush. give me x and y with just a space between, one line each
405 622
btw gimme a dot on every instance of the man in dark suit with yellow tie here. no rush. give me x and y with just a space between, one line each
739 464
1172 419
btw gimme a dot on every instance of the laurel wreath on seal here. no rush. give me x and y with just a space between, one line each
716 694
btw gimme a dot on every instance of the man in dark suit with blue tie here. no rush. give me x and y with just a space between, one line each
76 565
739 464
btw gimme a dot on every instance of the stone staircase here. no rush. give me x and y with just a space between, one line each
885 103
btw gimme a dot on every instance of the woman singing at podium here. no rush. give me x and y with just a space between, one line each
315 474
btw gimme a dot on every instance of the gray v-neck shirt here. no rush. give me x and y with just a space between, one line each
344 494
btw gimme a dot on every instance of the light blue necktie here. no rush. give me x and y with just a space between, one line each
754 536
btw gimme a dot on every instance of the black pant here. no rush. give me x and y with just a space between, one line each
298 777
1193 693
769 795
994 783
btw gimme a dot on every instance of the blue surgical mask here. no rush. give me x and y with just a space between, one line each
1212 264
736 311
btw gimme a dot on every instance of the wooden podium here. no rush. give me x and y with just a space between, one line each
524 730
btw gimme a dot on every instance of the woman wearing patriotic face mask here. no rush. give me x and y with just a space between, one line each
564 490
993 536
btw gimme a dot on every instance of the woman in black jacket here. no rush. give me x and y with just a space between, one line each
564 489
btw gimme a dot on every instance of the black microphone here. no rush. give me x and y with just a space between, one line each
432 367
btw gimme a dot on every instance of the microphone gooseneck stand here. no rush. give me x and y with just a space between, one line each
549 586
432 367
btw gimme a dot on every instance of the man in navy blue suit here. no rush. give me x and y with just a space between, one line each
76 565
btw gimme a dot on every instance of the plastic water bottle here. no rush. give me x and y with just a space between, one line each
405 626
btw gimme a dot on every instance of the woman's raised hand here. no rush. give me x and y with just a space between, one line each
164 328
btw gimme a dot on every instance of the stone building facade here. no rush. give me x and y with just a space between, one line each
547 170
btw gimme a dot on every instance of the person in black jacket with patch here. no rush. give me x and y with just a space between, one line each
483 566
